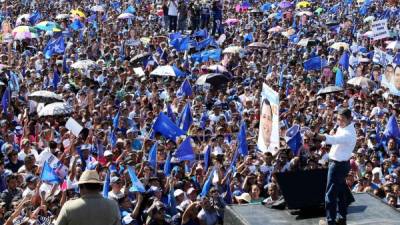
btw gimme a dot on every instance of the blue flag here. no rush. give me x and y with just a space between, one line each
13 82
248 37
207 185
56 79
186 119
113 138
396 59
185 151
153 157
203 120
137 186
242 142
334 9
167 165
344 60
116 120
174 36
130 9
201 33
234 159
185 89
339 80
204 56
228 193
76 25
35 17
266 7
315 63
166 127
204 43
170 113
106 185
55 46
207 157
5 100
180 44
293 139
392 128
49 175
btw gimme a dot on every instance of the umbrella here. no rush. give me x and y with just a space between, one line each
361 81
285 4
231 21
48 26
339 45
272 15
289 32
319 10
307 13
332 23
21 17
393 45
329 89
78 12
62 16
97 8
139 58
215 79
369 34
303 4
303 42
369 19
56 109
126 16
218 69
24 32
167 71
84 64
232 49
258 45
45 97
275 29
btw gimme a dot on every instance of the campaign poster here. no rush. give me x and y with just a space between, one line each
268 136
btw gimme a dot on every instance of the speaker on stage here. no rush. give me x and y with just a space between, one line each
303 189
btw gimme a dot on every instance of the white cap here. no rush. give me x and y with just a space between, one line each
178 192
107 153
190 190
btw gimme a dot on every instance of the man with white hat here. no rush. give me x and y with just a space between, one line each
91 207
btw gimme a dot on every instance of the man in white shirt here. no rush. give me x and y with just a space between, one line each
172 15
343 142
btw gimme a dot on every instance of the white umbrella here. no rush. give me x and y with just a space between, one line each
329 89
126 16
361 81
339 45
45 97
23 16
56 109
232 49
97 8
167 71
307 13
62 16
369 19
393 45
217 68
84 64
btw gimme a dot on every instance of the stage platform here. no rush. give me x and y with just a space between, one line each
366 210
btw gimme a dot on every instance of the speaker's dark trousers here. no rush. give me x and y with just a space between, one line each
336 190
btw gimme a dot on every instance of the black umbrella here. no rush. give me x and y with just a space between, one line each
213 79
138 58
332 23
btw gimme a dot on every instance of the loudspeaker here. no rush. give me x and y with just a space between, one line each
303 189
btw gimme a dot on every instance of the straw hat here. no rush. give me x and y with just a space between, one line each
90 177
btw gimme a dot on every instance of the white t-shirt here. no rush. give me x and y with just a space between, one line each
172 9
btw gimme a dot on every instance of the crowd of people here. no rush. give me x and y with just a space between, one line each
164 102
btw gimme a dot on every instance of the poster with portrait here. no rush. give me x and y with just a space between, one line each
391 78
268 136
